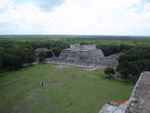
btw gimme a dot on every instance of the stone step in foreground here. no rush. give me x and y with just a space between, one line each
139 101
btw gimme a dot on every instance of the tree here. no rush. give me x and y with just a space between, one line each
1 64
109 71
123 66
134 61
42 55
49 54
56 50
12 61
29 59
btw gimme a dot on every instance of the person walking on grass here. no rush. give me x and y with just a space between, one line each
43 85
73 75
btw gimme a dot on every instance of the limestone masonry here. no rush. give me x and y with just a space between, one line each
85 55
139 101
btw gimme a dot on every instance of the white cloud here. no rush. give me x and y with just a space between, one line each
4 4
110 17
48 5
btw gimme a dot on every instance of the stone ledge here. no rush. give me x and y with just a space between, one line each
139 101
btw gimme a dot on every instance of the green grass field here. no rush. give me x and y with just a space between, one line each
20 91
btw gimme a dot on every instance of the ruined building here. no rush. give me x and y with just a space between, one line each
38 50
85 55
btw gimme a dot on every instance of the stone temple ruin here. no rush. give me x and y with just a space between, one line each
139 101
38 50
86 56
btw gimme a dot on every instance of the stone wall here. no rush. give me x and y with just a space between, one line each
110 61
79 47
139 101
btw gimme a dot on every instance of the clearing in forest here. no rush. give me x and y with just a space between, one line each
68 90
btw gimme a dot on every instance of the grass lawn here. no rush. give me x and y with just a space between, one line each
20 91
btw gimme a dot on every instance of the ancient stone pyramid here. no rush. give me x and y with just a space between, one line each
77 54
81 55
85 55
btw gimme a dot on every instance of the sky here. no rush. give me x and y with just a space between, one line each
80 17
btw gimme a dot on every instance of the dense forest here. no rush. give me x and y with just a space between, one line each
15 51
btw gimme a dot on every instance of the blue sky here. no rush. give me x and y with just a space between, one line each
94 17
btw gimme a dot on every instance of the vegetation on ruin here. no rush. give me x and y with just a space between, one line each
20 91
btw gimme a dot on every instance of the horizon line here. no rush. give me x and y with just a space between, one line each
72 35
